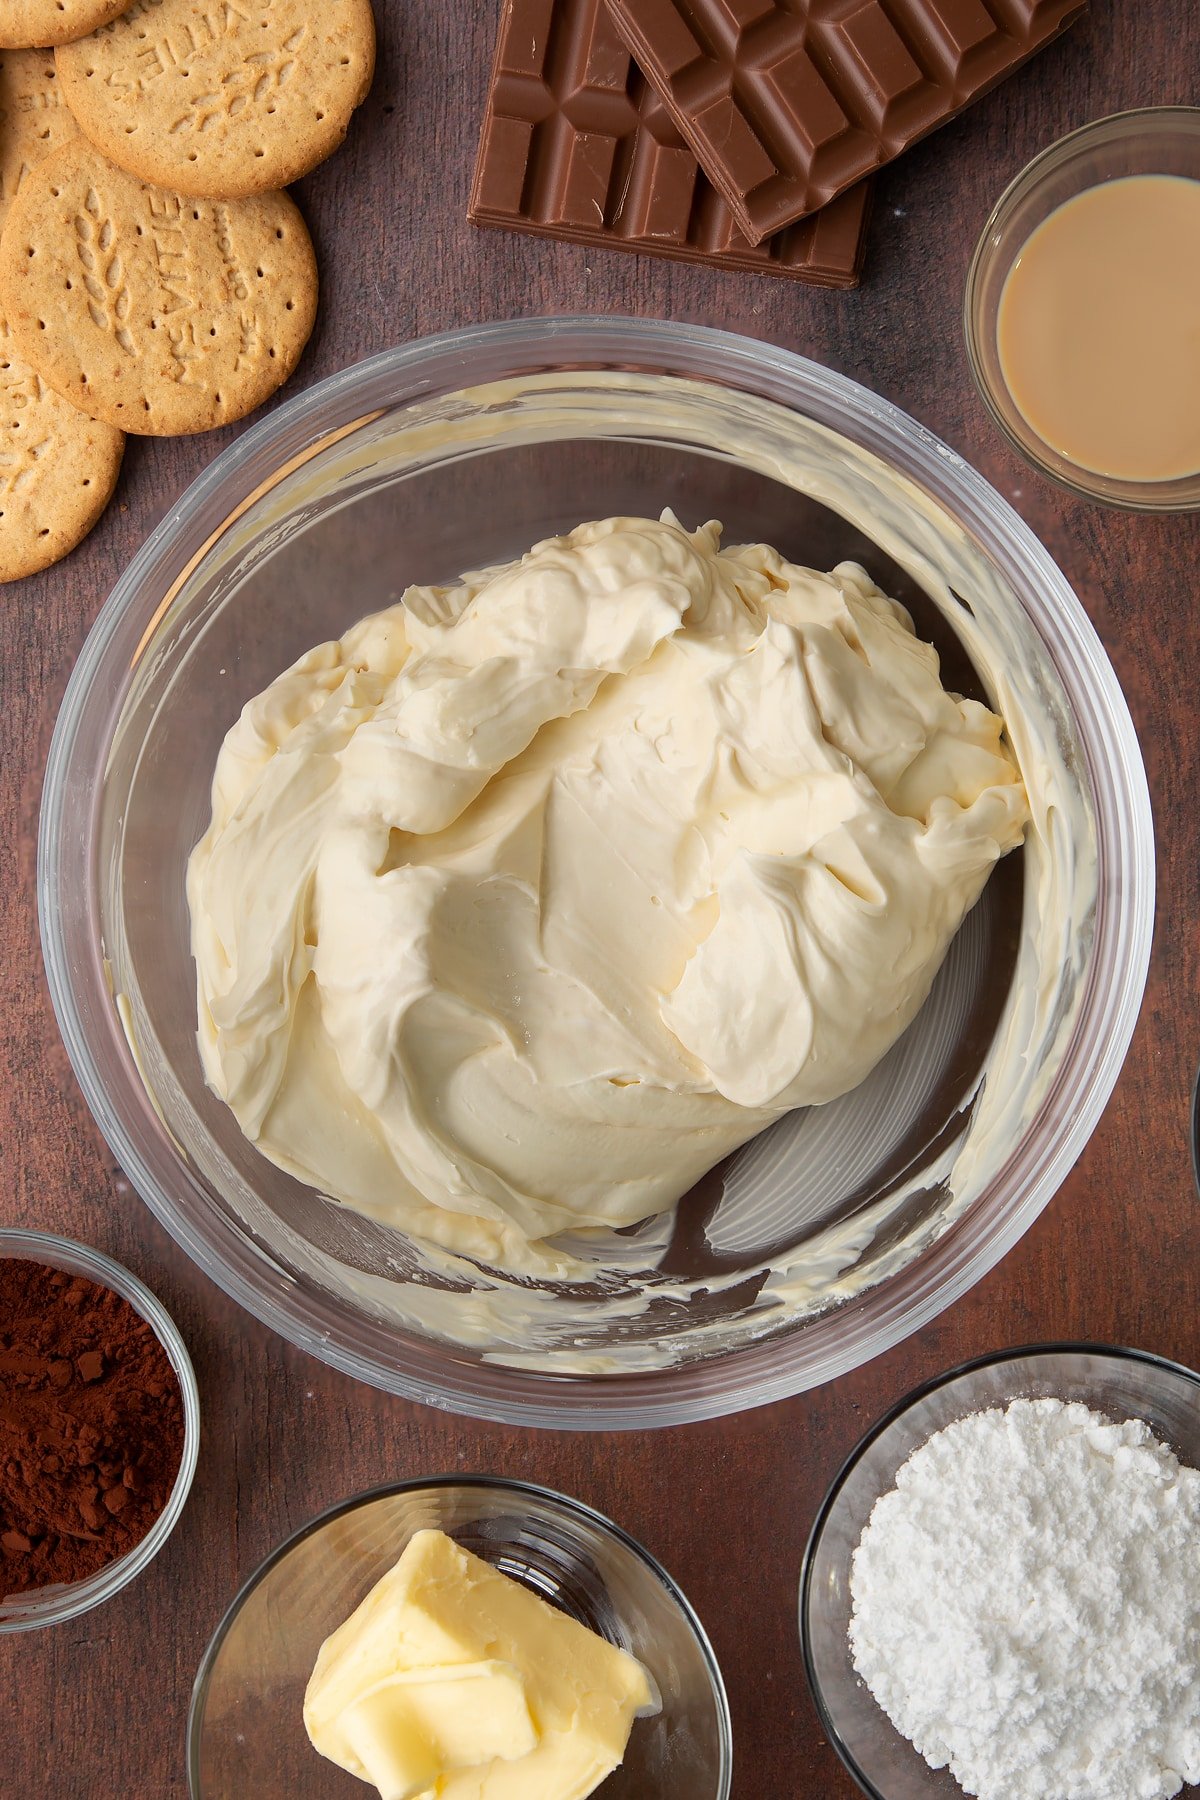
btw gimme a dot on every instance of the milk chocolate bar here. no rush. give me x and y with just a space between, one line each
786 103
576 145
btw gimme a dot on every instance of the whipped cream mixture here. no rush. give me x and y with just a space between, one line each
531 898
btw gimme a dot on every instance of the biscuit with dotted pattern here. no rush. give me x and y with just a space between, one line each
222 97
57 469
33 119
35 24
154 311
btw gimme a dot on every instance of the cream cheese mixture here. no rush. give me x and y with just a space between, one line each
532 897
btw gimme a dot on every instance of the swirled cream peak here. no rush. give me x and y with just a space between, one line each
530 898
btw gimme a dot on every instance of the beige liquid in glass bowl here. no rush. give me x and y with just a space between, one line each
1098 329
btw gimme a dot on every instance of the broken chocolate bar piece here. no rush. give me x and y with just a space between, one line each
576 145
787 103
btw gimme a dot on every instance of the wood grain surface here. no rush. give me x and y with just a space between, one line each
99 1705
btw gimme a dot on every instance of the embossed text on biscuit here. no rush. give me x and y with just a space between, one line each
174 50
168 242
235 275
185 350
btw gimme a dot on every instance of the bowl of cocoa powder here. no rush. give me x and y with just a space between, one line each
99 1428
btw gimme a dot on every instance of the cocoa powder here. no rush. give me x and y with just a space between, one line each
91 1426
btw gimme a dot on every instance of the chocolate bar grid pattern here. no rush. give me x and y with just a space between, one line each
787 102
576 145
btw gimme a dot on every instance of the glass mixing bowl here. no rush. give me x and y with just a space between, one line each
1122 1384
246 1732
844 1227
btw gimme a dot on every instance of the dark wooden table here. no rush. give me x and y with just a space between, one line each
99 1705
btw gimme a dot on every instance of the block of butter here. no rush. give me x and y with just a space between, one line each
452 1680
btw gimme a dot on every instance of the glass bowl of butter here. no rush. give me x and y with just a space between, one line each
567 1064
461 1635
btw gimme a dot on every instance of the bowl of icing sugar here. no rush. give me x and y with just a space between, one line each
825 1237
1001 1593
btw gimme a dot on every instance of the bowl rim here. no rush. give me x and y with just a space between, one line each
990 1359
60 1601
575 1509
1091 1060
1024 183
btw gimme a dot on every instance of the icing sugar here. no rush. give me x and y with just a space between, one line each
1026 1606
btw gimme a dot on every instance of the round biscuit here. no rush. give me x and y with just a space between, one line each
58 469
222 100
33 117
38 24
154 311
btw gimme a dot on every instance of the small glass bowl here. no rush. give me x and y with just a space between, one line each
246 1729
51 1605
1124 1384
1154 140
